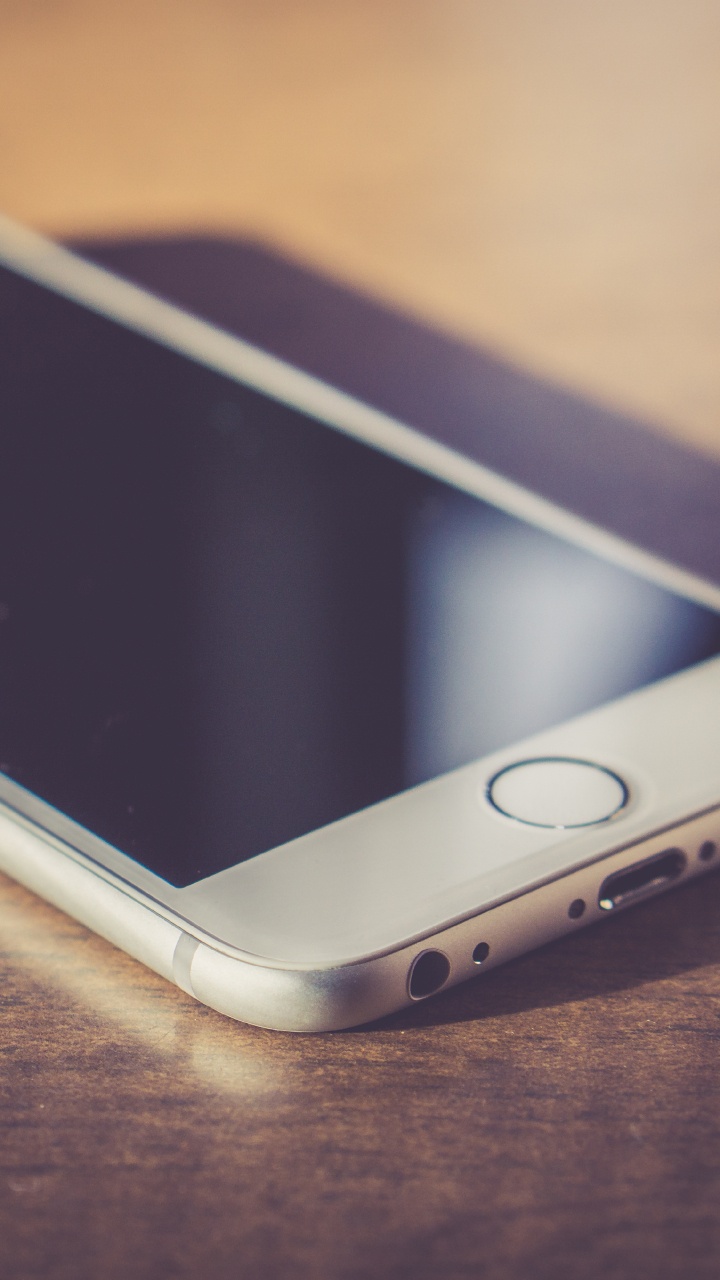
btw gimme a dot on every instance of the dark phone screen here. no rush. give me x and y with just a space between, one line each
223 624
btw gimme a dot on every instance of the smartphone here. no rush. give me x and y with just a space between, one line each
309 713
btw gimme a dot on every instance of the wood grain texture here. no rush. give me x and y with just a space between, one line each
541 180
560 1117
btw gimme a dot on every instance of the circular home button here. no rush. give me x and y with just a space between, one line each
556 792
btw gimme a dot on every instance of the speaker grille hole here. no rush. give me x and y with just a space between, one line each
430 970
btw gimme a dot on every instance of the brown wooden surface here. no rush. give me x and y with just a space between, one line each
539 175
558 1119
541 179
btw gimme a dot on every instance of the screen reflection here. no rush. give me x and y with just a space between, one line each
223 625
510 631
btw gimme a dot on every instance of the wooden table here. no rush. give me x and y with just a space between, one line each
535 187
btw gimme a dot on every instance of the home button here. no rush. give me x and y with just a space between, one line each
557 792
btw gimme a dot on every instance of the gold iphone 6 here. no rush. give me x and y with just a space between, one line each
306 711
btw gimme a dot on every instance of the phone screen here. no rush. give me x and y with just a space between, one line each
224 625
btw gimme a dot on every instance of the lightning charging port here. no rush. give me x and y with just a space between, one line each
644 878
